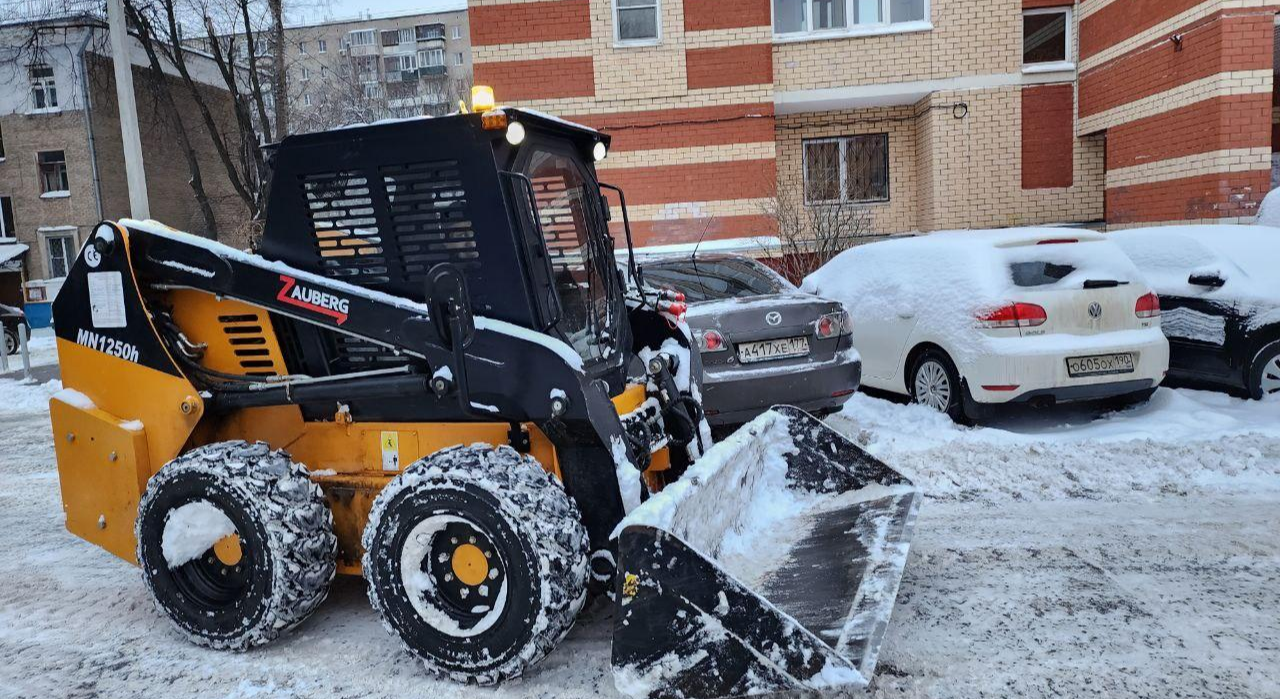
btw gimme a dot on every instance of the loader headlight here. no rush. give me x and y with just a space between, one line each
600 152
515 133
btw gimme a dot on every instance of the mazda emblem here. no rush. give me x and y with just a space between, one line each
1095 310
773 318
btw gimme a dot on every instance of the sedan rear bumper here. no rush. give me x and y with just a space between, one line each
737 395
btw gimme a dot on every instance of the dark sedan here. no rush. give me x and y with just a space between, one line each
1219 290
11 318
762 341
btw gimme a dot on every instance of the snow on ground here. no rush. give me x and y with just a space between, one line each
1133 556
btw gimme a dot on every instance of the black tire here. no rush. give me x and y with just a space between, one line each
10 342
1264 373
940 372
535 549
287 549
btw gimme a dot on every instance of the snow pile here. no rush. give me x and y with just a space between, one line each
1156 449
1269 212
192 529
18 397
1244 256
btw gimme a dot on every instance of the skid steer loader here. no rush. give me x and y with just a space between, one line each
431 373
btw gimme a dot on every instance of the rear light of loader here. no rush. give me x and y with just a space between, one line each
712 341
1148 306
1015 315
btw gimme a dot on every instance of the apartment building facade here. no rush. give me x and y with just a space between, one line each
353 70
930 114
62 157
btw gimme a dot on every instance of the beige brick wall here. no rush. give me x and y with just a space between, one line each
899 213
969 37
948 172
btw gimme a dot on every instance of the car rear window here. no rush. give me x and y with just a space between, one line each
1039 273
710 281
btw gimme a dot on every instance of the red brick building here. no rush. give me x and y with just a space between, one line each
929 113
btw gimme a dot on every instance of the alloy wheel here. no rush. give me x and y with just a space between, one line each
1270 379
933 388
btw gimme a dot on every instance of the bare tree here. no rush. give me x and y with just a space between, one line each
811 233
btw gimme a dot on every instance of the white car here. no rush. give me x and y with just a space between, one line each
963 320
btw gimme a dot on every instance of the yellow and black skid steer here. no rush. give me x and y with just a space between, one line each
431 373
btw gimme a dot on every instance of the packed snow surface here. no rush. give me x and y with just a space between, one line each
1066 554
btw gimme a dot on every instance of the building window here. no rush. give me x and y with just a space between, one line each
457 31
372 91
406 35
6 218
426 32
431 57
53 171
1046 38
306 99
302 48
848 169
306 74
636 21
799 17
363 37
365 68
44 91
322 46
59 252
324 71
457 58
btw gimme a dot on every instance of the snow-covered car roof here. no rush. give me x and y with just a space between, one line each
1244 256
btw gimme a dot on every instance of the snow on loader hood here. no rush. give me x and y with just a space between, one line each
771 565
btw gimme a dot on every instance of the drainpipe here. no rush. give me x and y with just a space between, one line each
88 120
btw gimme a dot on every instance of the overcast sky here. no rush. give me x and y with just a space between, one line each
311 11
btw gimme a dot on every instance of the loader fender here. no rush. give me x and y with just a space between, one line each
772 565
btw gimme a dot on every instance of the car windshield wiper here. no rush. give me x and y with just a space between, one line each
1102 283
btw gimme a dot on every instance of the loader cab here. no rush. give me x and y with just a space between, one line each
509 197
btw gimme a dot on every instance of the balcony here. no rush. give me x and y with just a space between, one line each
432 71
429 32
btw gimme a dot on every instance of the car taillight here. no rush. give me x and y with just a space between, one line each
712 341
833 324
1015 315
1148 306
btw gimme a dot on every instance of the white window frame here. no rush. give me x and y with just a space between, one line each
887 27
302 48
843 162
306 99
424 62
457 32
619 42
45 86
409 32
322 46
46 237
306 74
1054 66
371 33
458 58
66 175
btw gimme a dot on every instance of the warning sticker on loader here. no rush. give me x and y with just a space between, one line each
106 299
390 451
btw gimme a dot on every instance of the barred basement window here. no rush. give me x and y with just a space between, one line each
636 21
848 169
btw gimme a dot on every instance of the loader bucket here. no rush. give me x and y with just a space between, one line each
771 565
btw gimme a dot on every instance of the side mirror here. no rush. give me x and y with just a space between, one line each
450 305
1212 280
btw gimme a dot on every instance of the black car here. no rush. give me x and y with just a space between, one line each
11 318
762 341
1219 290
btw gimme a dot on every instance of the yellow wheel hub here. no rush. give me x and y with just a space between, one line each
470 566
228 551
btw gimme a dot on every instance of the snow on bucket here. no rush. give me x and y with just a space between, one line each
772 565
